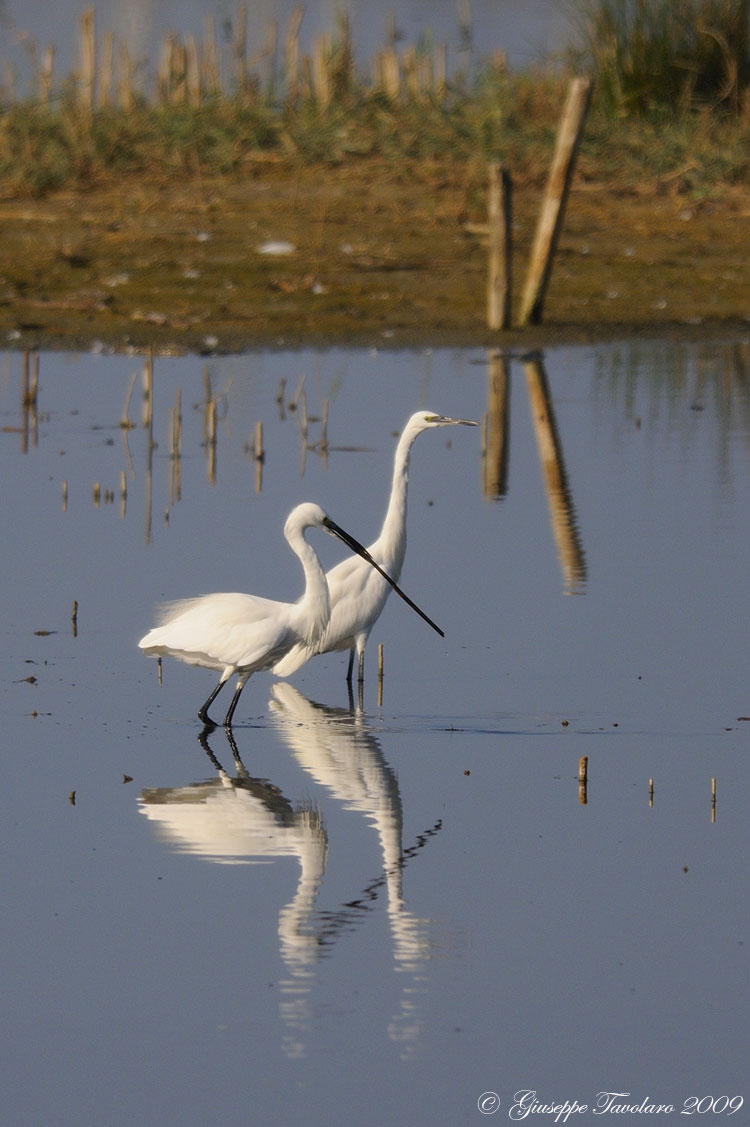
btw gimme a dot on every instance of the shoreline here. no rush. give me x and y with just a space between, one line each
371 260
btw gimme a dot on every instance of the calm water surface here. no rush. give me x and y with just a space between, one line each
526 31
375 915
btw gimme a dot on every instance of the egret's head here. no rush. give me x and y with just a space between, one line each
423 420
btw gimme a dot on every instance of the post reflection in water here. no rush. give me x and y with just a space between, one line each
496 428
549 446
241 819
559 499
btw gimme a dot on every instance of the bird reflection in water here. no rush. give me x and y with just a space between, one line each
240 819
336 747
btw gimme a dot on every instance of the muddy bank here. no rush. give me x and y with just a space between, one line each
356 256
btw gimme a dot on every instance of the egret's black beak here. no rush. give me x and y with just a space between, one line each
444 420
336 530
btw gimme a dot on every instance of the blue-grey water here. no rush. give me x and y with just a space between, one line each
379 914
526 32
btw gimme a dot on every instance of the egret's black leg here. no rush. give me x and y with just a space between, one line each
241 682
350 668
361 668
203 710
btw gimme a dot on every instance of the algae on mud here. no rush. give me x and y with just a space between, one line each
377 259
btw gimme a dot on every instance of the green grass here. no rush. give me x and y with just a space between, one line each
671 98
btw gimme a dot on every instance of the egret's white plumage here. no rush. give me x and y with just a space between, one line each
235 633
358 594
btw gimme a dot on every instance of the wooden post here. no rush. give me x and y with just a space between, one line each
499 219
556 195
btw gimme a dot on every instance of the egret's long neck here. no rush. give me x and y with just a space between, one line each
315 604
390 547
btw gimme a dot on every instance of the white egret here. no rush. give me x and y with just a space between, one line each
358 595
240 634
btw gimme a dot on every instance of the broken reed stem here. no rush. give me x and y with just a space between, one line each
104 78
211 72
125 93
323 441
321 73
87 30
260 456
74 618
211 439
46 74
292 55
148 392
30 373
239 47
175 449
125 422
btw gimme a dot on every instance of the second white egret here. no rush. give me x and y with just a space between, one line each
240 634
358 595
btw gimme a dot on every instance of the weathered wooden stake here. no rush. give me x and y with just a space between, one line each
499 220
556 195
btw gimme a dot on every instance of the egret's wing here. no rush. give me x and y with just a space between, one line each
228 629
